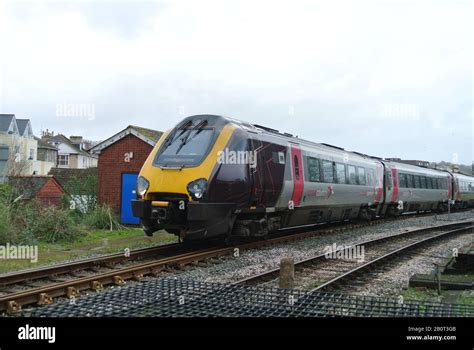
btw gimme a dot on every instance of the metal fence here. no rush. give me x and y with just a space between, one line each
188 298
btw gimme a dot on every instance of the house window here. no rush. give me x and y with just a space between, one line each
32 154
63 160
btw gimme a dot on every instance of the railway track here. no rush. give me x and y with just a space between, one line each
41 285
325 273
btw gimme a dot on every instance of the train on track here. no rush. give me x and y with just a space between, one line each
214 176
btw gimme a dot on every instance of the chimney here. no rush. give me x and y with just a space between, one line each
77 141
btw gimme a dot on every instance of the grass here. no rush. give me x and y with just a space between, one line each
425 294
466 297
422 294
94 242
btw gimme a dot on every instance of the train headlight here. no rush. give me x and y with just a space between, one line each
142 186
197 188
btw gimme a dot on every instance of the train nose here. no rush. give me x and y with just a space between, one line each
159 213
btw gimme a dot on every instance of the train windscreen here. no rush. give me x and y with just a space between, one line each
185 147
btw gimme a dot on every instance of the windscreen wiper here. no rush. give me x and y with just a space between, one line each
184 140
170 140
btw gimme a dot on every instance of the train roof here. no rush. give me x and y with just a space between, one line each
463 176
289 137
416 168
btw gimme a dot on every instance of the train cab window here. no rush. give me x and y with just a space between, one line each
340 173
328 171
186 146
297 167
361 176
314 170
410 181
402 180
351 174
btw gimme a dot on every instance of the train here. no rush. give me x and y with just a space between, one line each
213 176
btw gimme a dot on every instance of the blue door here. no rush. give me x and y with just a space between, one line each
128 194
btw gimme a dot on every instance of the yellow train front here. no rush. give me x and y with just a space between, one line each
173 187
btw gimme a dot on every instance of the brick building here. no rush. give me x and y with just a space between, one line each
43 188
120 159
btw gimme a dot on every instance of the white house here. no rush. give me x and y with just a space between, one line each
71 153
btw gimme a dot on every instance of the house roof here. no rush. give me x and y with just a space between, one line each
29 186
22 125
5 121
59 138
44 144
149 136
64 175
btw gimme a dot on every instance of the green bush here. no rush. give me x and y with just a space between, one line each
102 218
7 234
49 224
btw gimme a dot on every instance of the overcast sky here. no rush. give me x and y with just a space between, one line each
388 78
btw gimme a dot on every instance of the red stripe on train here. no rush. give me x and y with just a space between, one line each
298 181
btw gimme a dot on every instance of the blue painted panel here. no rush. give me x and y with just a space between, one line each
128 194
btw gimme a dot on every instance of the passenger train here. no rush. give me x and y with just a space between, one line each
214 176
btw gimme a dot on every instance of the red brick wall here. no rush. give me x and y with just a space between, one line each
112 164
50 193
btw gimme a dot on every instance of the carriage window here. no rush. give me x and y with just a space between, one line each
429 184
313 169
410 181
297 168
340 173
403 180
417 181
423 181
328 171
361 175
351 172
371 177
440 184
435 183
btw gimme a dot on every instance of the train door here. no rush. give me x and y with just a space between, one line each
129 181
389 188
298 181
394 198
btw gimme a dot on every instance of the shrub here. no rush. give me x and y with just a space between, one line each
7 234
49 224
102 217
